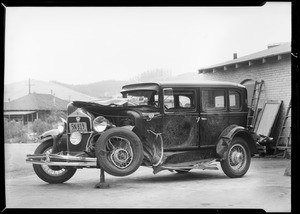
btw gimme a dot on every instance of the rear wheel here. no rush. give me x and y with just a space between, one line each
51 174
119 151
237 158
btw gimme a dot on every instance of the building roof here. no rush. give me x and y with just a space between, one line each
273 50
8 113
35 101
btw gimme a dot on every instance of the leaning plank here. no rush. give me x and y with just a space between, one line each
268 117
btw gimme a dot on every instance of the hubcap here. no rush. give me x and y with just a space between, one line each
121 154
237 157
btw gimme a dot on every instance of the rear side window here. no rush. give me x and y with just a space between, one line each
213 100
234 100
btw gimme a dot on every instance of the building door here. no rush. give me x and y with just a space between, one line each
249 84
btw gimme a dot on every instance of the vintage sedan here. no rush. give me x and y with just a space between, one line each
166 126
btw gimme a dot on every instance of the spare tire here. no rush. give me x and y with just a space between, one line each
119 151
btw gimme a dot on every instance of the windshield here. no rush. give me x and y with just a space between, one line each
142 98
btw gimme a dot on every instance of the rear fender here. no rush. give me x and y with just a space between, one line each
229 133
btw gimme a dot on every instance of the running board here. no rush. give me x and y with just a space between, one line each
61 160
203 164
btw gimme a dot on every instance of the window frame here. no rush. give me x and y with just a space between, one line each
181 109
225 109
240 97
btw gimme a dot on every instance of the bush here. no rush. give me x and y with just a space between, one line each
15 132
39 126
55 116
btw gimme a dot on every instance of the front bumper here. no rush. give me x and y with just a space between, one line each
61 160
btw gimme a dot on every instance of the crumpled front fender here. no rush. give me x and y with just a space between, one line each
52 133
59 142
228 134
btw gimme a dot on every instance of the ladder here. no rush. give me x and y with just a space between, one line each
253 108
285 134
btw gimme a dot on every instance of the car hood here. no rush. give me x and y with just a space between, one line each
109 103
117 102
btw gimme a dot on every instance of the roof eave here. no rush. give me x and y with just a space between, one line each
236 62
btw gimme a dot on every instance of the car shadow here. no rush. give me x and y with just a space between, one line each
163 177
174 177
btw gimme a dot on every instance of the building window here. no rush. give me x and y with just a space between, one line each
213 100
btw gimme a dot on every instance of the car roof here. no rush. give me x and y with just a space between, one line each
156 85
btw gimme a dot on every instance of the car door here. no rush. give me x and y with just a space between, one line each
214 115
180 119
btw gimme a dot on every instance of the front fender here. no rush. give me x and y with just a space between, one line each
229 133
59 142
52 133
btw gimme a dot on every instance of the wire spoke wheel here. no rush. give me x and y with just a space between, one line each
237 159
52 170
119 152
51 174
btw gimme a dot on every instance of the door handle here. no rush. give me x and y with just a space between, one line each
202 118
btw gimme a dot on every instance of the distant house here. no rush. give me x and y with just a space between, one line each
33 106
272 65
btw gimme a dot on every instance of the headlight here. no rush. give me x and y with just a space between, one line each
100 124
62 125
61 128
75 138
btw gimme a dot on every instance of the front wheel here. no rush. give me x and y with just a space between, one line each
119 151
237 158
51 174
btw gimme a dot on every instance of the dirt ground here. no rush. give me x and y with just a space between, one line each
263 187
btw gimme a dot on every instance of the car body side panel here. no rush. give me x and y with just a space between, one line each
180 131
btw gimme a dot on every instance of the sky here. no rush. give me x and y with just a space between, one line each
81 45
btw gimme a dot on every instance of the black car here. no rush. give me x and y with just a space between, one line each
173 126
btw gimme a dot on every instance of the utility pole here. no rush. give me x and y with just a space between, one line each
29 86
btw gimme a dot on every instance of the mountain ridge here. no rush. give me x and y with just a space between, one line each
96 90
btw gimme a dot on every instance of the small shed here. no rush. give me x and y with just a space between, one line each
33 106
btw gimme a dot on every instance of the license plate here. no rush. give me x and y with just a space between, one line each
79 127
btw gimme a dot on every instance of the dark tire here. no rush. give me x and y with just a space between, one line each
51 174
237 158
119 151
182 171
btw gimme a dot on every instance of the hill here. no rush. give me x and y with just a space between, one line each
101 89
16 90
96 90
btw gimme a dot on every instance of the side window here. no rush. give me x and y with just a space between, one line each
234 100
179 100
213 99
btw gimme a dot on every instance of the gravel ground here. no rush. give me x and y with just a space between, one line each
263 187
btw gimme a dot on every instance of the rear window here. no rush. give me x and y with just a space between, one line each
213 100
234 100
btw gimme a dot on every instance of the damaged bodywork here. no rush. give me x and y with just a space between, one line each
160 125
